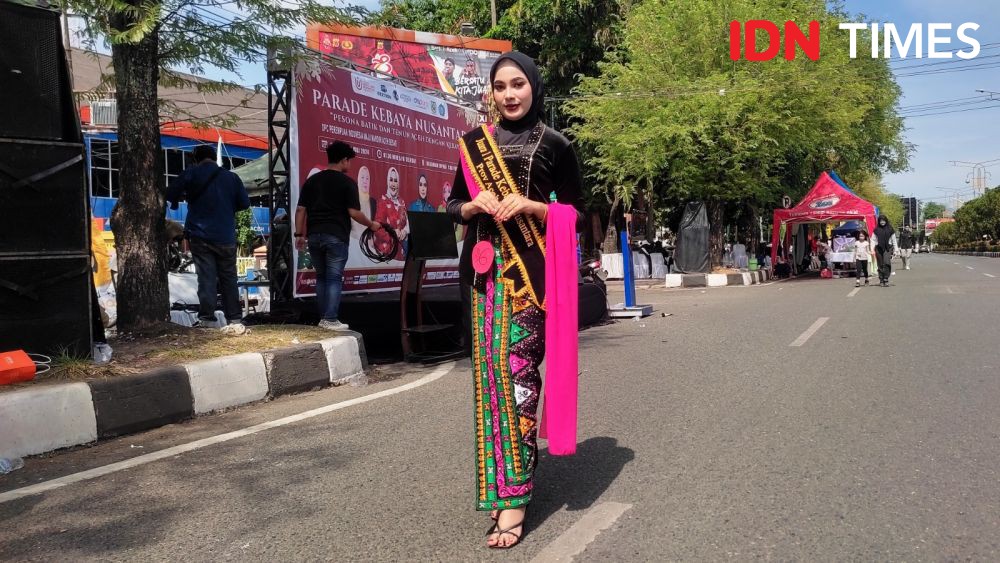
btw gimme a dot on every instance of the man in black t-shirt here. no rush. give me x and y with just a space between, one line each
328 202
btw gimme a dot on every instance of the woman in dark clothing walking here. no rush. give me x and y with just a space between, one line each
884 241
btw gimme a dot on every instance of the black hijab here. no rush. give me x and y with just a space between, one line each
537 90
884 234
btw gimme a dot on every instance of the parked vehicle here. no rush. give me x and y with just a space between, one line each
593 294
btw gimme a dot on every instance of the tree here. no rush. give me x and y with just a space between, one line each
933 210
870 188
149 40
945 234
979 217
673 118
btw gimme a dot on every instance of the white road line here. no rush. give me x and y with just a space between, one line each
573 541
218 439
970 267
989 275
949 290
956 263
855 292
810 331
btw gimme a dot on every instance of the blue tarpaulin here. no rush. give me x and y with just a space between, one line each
101 208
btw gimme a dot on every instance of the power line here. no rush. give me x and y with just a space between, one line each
915 106
965 68
919 61
903 111
953 111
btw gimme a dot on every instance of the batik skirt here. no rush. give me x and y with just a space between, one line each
508 348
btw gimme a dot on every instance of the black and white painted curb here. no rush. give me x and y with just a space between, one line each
48 417
717 280
970 253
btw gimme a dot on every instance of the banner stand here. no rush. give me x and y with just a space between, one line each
629 309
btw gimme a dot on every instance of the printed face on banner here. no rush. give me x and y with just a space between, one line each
462 72
407 154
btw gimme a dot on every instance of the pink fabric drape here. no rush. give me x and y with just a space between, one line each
561 331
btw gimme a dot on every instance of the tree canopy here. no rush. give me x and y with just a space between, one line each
676 117
933 210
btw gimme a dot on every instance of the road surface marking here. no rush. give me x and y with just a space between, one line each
970 267
989 275
810 331
948 287
956 263
218 439
855 292
573 541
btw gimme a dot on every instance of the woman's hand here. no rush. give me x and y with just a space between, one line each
516 204
485 202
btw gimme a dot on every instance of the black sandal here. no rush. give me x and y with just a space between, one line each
517 537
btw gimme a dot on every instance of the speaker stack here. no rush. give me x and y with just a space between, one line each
45 266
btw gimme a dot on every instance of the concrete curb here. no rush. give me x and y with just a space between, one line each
50 417
970 253
717 280
149 400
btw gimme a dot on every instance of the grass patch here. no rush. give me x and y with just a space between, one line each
177 345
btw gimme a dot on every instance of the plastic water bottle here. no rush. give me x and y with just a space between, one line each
8 465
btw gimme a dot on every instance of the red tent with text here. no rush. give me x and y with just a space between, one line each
828 201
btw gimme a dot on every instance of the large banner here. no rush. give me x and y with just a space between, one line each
453 64
407 153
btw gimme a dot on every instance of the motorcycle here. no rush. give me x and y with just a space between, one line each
593 306
592 272
177 259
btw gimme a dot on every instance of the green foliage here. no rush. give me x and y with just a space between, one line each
946 234
244 232
870 188
975 220
196 36
677 120
933 210
979 217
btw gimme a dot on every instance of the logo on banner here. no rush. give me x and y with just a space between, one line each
399 96
825 203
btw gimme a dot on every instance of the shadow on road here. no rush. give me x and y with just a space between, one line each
577 481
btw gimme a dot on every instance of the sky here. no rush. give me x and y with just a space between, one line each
966 134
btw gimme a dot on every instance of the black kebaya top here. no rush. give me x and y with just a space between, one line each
542 161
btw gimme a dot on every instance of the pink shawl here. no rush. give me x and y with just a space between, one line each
561 330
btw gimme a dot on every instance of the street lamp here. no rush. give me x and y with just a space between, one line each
990 93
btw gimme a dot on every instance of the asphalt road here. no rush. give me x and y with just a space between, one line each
704 436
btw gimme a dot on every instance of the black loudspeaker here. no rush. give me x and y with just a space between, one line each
45 304
43 198
36 96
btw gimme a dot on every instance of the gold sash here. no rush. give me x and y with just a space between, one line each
522 240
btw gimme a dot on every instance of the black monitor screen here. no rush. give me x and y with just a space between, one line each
432 235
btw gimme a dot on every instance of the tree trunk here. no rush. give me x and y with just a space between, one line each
715 213
138 219
611 236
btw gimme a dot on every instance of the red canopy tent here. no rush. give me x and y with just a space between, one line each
826 202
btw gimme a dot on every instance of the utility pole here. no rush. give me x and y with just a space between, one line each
953 194
979 177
